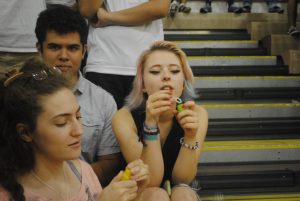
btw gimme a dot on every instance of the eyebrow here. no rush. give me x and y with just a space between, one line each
169 65
66 114
60 45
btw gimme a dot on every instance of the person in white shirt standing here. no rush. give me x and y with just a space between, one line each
17 38
122 30
68 3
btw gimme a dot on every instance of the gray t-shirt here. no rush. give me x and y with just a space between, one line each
97 109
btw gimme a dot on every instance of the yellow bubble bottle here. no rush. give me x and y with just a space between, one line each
126 175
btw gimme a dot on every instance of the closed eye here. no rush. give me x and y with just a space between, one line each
175 71
154 72
61 124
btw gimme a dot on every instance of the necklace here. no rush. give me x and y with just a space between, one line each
39 179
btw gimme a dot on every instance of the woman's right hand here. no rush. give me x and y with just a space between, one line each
139 172
118 190
156 104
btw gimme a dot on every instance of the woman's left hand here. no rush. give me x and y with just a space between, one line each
188 119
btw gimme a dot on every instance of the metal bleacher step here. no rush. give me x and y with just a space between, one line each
221 47
260 197
283 178
219 70
242 133
253 129
232 60
272 185
248 180
279 93
273 166
246 81
192 35
231 168
247 87
250 169
217 44
239 151
252 110
225 51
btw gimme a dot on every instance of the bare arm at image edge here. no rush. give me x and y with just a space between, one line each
138 15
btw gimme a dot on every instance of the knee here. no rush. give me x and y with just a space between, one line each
154 194
183 193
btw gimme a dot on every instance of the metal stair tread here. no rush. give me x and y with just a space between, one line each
252 105
251 145
231 60
250 76
214 45
240 70
240 109
207 35
205 32
250 81
186 44
234 57
260 197
226 51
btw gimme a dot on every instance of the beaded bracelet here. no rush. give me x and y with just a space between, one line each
193 147
149 133
150 130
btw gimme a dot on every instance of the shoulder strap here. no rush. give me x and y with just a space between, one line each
75 171
138 116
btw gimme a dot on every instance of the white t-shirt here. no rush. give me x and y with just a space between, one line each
63 2
115 49
17 24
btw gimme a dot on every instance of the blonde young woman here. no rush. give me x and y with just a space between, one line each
149 126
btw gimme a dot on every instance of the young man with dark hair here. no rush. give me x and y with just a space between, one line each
62 37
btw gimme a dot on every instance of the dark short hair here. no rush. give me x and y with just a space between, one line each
62 20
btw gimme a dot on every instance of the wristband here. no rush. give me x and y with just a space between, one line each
188 146
151 137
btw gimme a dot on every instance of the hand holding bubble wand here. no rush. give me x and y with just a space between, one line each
179 104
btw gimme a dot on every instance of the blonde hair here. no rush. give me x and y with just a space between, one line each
137 98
